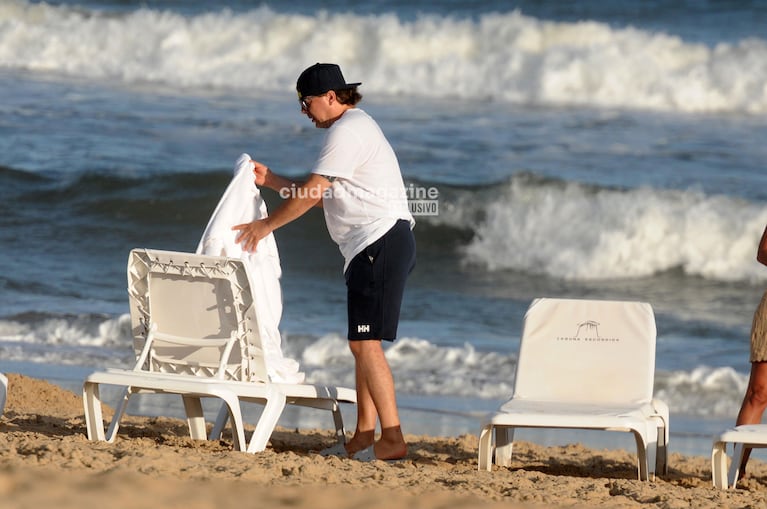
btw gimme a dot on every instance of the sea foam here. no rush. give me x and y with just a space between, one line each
502 56
420 366
574 231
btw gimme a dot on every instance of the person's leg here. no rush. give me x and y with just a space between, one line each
754 403
755 399
364 433
375 281
376 381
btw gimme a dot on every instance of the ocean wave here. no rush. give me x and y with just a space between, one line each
420 367
579 232
527 223
67 339
66 329
705 391
501 56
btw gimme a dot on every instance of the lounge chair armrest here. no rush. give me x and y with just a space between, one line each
147 347
225 355
187 341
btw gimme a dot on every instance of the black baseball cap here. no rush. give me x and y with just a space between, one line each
319 78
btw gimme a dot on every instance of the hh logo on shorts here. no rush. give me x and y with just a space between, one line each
363 328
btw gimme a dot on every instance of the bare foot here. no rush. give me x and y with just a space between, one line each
360 441
390 451
392 445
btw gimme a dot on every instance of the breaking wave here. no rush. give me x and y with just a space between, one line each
500 56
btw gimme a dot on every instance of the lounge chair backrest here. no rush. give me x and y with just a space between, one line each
587 351
197 298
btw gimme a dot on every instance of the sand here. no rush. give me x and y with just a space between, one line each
47 461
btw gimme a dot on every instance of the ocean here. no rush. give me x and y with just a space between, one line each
608 150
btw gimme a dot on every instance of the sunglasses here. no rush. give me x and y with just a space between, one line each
306 102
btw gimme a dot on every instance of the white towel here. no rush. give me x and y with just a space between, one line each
242 203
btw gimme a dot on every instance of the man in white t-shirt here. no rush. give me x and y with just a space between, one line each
357 181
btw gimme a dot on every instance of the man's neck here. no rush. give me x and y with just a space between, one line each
343 109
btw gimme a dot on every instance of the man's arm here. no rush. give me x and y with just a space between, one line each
267 178
300 198
284 186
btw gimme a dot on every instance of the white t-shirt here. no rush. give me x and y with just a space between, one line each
368 195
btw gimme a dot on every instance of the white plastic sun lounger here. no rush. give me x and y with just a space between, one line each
196 335
584 364
3 392
746 436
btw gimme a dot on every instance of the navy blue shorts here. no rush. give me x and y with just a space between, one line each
375 283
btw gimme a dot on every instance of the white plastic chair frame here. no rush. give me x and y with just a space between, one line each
740 438
556 349
196 335
3 392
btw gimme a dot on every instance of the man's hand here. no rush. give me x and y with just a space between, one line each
251 233
260 171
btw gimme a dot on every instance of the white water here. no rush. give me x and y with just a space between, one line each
572 231
506 57
421 367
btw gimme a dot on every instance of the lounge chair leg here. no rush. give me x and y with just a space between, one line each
504 445
119 412
338 420
719 465
275 403
737 459
221 419
642 448
661 453
485 448
94 421
652 459
662 433
232 407
194 417
651 451
3 392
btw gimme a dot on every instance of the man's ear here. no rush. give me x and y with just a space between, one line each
331 96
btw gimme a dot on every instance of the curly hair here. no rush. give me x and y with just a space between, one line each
348 96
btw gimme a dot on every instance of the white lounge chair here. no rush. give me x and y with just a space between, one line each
746 436
3 392
196 335
584 364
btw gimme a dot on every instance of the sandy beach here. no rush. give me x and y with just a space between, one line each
46 459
